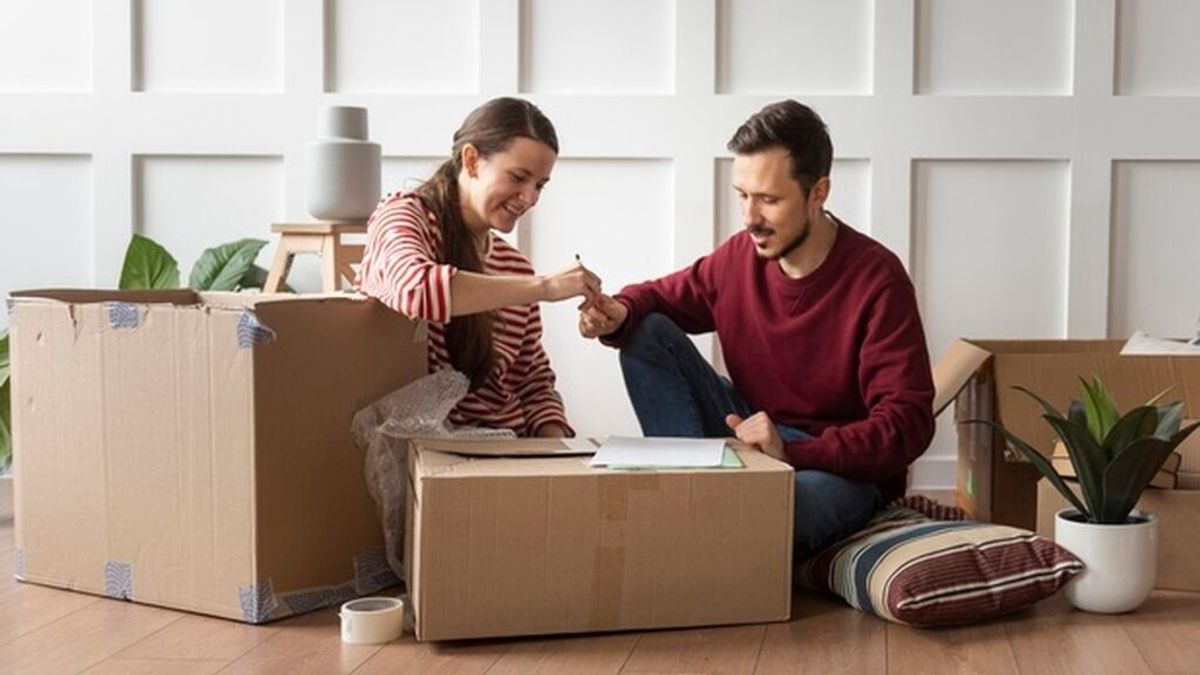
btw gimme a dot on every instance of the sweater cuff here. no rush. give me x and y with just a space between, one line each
621 336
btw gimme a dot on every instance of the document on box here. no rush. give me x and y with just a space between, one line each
621 452
1142 344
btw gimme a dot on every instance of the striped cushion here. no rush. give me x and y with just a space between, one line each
909 569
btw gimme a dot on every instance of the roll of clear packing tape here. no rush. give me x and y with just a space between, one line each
372 621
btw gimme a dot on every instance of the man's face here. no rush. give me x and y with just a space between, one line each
775 210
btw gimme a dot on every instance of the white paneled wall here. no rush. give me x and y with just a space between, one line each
1034 162
983 47
210 46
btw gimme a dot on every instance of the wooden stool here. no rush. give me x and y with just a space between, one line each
324 239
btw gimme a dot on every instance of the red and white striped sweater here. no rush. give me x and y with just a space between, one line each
402 267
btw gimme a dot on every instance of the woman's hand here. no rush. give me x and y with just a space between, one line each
576 280
551 430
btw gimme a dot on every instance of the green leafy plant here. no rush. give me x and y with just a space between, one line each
227 267
5 409
1115 456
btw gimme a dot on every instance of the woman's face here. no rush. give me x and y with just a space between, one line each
502 187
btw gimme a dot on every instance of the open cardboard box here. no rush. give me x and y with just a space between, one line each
996 485
514 538
193 450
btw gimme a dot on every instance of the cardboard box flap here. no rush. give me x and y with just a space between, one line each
1042 347
436 463
235 300
954 370
84 296
510 447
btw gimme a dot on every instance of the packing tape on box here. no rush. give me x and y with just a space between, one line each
370 621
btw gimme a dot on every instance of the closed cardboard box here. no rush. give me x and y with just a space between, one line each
525 545
194 450
994 483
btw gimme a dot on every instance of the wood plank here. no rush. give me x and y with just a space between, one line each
119 666
589 655
406 655
1166 631
200 637
311 643
27 607
321 227
1055 639
817 637
981 649
731 649
84 637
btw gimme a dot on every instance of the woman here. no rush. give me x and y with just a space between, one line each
431 255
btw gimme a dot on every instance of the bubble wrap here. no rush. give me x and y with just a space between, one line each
383 429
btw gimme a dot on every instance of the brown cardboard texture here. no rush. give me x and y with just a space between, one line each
502 546
979 375
194 450
1178 514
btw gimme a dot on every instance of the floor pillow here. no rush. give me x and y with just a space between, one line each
908 568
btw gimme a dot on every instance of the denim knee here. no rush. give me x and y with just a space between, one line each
654 333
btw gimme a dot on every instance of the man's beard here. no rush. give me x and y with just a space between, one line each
795 243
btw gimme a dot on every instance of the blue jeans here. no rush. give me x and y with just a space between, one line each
675 392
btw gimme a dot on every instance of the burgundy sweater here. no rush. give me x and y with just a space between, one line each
840 353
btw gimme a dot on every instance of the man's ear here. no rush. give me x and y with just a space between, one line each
469 159
819 192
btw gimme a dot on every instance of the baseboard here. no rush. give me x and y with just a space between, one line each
934 473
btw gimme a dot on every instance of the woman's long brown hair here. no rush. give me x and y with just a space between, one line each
490 128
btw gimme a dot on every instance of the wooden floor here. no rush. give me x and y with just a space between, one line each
43 630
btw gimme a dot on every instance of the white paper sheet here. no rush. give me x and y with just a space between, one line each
621 452
1141 343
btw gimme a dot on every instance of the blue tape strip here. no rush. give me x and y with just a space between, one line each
123 315
258 602
372 572
118 580
251 332
19 564
311 599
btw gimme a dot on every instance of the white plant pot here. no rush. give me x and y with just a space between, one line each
342 168
1120 561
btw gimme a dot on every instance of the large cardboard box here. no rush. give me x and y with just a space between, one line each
194 450
1178 513
500 546
979 375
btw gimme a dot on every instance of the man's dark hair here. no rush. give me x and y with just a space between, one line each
797 128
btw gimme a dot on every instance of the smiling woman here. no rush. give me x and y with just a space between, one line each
431 255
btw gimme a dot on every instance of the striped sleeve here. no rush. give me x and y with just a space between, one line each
539 398
400 262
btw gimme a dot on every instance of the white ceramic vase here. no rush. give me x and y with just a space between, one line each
1120 561
341 180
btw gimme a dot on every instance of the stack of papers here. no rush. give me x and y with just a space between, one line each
1141 344
620 452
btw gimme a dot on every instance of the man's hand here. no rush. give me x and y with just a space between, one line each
757 430
603 317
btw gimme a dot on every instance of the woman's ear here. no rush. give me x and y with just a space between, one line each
470 159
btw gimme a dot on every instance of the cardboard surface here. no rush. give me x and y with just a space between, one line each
503 546
1178 514
194 450
979 375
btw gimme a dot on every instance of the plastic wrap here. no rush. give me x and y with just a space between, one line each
383 428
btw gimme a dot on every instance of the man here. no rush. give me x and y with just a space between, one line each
819 329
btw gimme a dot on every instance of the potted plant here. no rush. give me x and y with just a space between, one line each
1115 457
